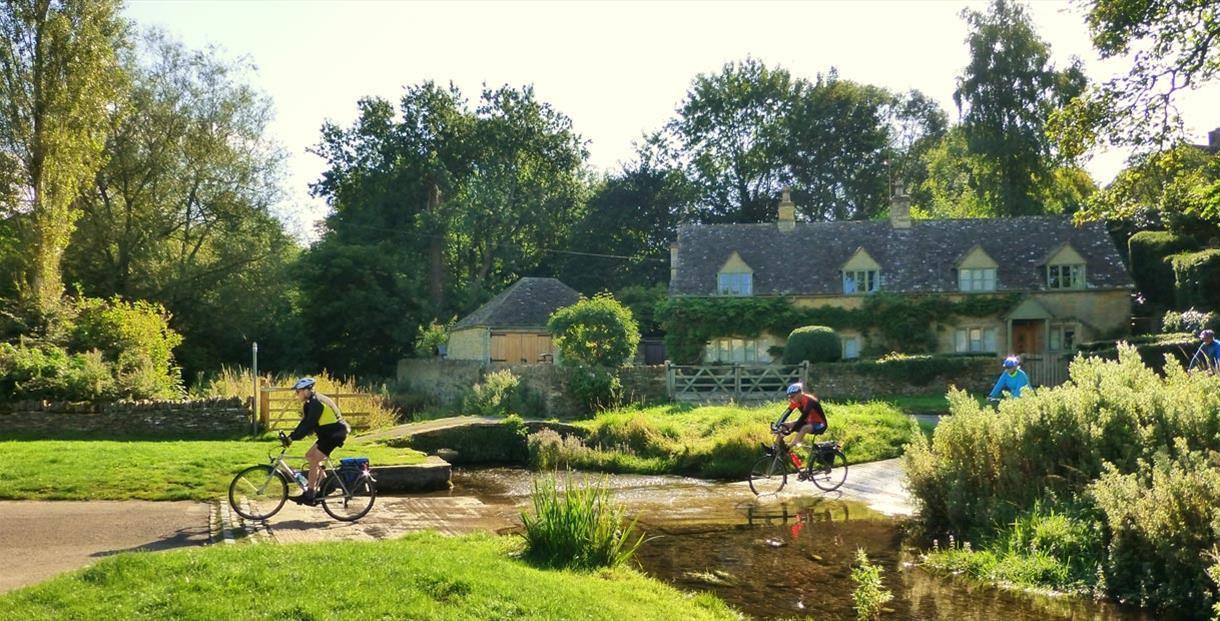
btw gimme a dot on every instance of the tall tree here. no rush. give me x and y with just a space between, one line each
730 133
837 147
1172 46
1005 95
59 76
498 185
181 211
632 216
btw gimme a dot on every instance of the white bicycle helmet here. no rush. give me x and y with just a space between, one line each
304 382
794 389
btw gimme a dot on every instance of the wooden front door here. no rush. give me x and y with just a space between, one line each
1027 336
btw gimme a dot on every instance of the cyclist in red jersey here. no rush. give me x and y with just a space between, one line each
812 418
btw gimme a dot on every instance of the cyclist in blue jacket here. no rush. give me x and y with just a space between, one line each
1012 379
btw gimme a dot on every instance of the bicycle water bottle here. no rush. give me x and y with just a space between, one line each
300 477
796 461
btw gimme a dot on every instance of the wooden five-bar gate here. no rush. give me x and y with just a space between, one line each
279 409
738 382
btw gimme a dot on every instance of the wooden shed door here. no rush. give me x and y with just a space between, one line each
519 347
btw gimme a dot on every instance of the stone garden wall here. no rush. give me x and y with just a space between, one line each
203 418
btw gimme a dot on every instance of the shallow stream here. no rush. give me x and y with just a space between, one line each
788 555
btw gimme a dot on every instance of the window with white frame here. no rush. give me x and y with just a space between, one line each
851 347
1063 337
735 283
967 340
861 281
976 279
1065 276
737 350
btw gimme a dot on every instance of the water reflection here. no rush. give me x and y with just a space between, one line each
788 555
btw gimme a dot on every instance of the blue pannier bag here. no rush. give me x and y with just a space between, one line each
352 468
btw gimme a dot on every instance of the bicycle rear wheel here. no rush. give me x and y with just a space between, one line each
351 506
829 470
258 492
769 475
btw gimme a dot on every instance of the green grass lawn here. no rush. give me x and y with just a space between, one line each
422 576
722 441
147 469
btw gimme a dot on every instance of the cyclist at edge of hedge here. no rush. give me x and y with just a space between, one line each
812 418
321 416
1012 379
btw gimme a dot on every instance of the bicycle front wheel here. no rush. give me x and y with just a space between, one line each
258 492
769 475
829 470
352 505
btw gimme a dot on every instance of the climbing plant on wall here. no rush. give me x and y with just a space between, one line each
904 323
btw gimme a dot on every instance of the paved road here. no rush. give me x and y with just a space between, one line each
42 539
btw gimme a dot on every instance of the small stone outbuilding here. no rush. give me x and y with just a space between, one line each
511 328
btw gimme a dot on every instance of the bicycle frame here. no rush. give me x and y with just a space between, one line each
278 464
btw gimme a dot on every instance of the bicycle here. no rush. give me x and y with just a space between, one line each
346 494
826 468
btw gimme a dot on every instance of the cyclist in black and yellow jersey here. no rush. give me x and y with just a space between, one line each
320 416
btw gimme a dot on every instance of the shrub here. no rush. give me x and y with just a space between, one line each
595 388
596 332
431 338
1191 321
134 338
494 396
870 594
921 369
1091 438
578 527
812 343
1162 519
49 372
1150 269
549 451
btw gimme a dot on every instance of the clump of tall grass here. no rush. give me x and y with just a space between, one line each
239 382
870 594
578 526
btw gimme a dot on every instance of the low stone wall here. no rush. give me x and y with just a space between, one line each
204 418
449 381
866 380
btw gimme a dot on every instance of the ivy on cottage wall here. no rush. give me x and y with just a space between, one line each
904 323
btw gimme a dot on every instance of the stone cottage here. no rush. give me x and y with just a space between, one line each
1069 281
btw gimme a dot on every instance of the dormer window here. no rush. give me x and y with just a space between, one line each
735 277
976 279
1065 269
861 274
976 271
741 283
1065 276
861 281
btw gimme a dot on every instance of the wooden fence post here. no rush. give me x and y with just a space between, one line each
737 381
669 378
264 404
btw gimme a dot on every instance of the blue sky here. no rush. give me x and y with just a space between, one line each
617 69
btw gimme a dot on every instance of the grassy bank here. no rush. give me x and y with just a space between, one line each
712 440
424 576
147 469
1108 483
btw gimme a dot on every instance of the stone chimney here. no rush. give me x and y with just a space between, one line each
787 212
900 208
1213 140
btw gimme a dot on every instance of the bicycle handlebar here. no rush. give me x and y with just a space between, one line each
284 441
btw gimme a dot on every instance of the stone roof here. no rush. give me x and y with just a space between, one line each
528 303
921 259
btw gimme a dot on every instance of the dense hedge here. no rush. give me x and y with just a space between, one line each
904 323
597 331
919 370
1132 452
812 343
1153 275
1197 279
